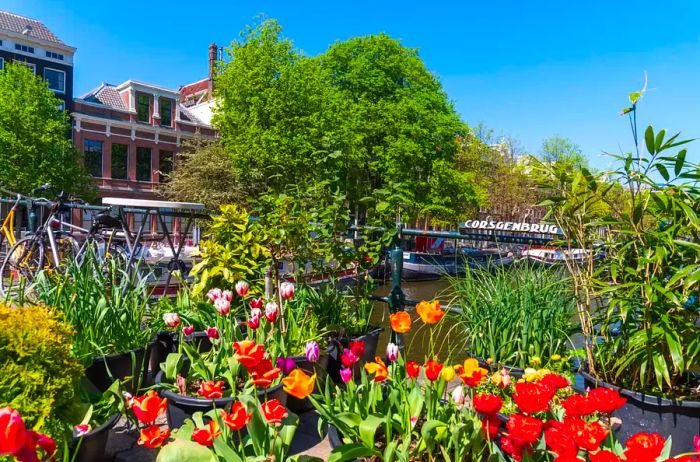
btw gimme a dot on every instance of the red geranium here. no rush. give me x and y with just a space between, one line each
487 403
524 428
432 370
412 369
555 380
559 441
606 400
643 447
604 456
211 389
514 447
587 436
578 406
490 425
533 397
357 347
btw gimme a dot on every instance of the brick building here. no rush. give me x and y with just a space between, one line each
27 41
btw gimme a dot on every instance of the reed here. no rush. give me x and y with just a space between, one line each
515 315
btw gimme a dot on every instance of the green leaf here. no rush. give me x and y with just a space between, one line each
649 140
368 429
663 171
185 451
680 161
351 451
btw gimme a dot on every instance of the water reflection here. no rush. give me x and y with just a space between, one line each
446 334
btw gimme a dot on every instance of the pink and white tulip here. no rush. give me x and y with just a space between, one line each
171 319
223 306
287 290
271 311
242 288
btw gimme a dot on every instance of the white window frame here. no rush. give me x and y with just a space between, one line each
32 66
64 79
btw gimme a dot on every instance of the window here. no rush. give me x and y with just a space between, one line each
93 157
166 164
166 112
56 79
52 55
120 161
61 106
25 48
143 108
24 63
143 164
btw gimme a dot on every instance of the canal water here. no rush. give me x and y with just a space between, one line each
446 335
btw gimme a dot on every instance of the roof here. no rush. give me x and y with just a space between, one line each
198 90
107 95
18 24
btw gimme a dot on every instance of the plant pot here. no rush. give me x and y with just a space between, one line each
181 407
648 413
105 369
297 405
91 447
371 340
165 343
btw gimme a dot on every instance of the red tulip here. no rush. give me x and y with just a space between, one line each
357 347
211 389
237 418
248 353
205 435
212 333
153 437
412 369
432 370
487 404
12 431
148 407
273 411
264 374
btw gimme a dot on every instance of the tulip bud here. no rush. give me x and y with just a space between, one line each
286 365
214 294
212 333
223 306
346 374
81 430
392 352
188 330
171 319
312 351
227 295
271 311
256 303
254 322
458 395
287 290
242 288
448 373
505 378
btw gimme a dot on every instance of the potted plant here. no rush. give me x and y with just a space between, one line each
196 380
107 309
645 214
517 317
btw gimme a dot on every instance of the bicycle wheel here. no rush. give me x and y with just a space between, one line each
67 247
20 266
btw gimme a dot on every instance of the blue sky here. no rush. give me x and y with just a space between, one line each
528 69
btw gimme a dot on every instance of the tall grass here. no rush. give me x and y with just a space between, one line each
105 304
515 314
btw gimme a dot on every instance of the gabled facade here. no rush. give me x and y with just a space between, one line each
130 134
29 42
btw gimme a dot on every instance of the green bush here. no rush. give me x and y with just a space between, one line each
39 373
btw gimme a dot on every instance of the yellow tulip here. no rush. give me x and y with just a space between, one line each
448 373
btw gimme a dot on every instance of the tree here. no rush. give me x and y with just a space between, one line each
34 144
279 117
400 117
560 149
205 173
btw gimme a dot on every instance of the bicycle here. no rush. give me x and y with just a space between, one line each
48 248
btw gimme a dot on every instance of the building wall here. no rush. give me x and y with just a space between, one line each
40 64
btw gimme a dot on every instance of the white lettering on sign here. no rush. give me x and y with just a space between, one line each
540 228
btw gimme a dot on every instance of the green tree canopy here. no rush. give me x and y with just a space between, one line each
34 144
560 149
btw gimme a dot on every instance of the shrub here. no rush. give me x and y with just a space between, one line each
39 373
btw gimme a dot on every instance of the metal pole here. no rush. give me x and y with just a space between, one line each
397 298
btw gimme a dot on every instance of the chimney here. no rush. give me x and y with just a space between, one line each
212 65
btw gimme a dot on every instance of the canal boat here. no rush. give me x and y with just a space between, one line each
551 256
426 266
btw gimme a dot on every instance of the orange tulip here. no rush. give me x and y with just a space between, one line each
248 353
298 384
378 368
430 312
148 407
152 437
400 322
